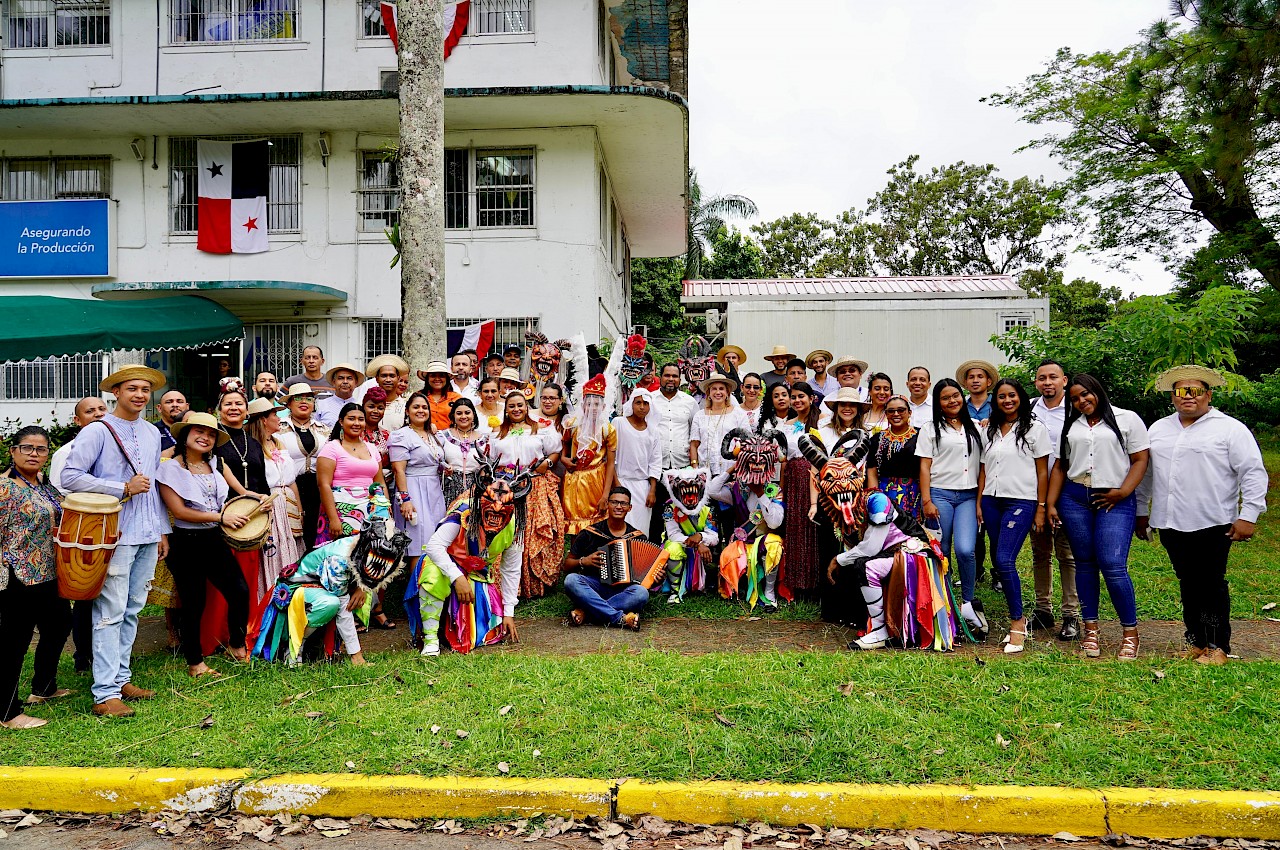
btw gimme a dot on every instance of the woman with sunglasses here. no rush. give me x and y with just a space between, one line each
1103 456
752 398
892 465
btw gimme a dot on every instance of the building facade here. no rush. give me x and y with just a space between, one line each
566 154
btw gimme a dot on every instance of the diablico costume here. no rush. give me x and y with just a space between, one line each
687 514
752 562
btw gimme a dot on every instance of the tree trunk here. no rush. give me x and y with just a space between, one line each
422 181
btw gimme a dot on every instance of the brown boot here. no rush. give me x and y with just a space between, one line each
1213 656
133 693
112 708
1192 652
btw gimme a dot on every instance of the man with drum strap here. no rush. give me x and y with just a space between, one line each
611 605
119 457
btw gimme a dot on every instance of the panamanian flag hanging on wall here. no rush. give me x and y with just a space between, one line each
232 211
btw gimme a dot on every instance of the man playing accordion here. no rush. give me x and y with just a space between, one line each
595 599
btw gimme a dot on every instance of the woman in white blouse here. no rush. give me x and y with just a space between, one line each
1101 460
752 398
950 452
1014 483
718 416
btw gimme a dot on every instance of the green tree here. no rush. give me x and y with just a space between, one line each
707 216
794 245
1173 137
656 287
1080 303
734 256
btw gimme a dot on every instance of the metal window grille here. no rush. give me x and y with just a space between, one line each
504 189
73 23
382 336
196 21
276 347
71 377
457 180
284 190
498 17
50 178
379 192
371 25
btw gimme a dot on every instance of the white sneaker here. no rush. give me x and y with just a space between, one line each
431 649
674 599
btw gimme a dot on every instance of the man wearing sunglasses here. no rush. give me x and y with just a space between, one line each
1204 489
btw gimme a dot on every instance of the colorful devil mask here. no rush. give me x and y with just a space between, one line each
688 488
756 455
633 364
840 482
696 360
378 555
544 355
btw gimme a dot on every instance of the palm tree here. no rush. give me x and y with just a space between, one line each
705 218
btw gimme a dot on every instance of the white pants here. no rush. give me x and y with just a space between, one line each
640 514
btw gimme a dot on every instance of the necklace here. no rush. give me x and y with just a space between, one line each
243 455
40 488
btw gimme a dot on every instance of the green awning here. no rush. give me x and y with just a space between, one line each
43 326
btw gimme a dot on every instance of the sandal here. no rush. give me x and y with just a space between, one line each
36 699
207 671
577 617
631 620
1129 648
385 624
1089 643
239 659
1011 648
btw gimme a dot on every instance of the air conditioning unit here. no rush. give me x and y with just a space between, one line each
715 321
643 330
389 81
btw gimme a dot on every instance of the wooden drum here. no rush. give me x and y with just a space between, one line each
250 536
87 537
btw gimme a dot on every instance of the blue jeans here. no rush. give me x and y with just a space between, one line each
602 602
1008 522
958 512
115 617
1100 543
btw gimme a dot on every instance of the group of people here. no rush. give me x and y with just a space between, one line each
506 474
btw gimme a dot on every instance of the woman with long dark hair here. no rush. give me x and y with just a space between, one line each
800 569
1014 483
950 452
489 410
465 444
775 409
1101 460
416 458
752 398
30 510
879 389
892 465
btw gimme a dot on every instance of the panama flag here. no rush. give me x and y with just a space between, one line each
233 196
456 15
478 336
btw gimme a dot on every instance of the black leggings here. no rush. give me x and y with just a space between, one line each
23 609
197 555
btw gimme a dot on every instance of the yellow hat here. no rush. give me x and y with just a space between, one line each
731 349
386 360
204 420
133 373
992 372
779 351
808 358
342 367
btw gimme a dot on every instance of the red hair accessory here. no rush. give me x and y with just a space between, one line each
636 345
595 386
375 394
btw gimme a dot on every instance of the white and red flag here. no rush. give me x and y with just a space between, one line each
233 196
478 336
456 15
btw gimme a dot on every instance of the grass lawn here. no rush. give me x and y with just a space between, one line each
908 717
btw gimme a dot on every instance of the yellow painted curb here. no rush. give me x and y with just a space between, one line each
106 790
1159 813
348 795
950 807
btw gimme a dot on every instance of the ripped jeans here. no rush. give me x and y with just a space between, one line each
115 617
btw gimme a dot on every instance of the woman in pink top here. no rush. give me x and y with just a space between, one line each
348 471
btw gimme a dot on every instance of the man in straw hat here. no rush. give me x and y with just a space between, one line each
848 371
978 377
1204 489
779 357
344 378
823 381
386 370
119 456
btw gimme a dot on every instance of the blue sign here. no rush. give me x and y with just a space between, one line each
55 238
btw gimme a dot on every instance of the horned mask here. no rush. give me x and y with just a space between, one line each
633 366
696 360
757 455
840 482
544 355
688 488
378 555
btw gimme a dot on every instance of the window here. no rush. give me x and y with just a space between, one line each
604 209
53 178
284 189
486 189
382 336
28 23
71 377
276 347
615 247
500 17
1009 321
379 192
196 21
371 25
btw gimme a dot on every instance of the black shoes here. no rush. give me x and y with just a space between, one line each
1070 629
1042 621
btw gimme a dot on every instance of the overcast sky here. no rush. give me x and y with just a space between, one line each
803 106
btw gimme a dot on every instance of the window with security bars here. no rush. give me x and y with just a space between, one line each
53 178
56 23
482 188
203 21
276 347
500 17
371 24
379 192
53 378
382 336
284 186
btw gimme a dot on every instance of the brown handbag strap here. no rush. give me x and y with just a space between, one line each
120 444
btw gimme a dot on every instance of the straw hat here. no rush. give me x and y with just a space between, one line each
808 358
342 367
728 349
204 420
780 351
509 374
1169 377
992 372
718 378
261 405
435 367
133 373
847 360
296 390
855 395
386 360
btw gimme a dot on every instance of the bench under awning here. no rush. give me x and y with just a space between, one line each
39 326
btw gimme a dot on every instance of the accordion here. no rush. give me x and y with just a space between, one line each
630 561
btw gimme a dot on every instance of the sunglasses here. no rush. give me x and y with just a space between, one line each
1189 392
895 411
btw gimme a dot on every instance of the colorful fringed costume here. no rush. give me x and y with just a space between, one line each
842 495
479 539
687 515
752 561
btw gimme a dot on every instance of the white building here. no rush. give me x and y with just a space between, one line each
893 323
567 154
